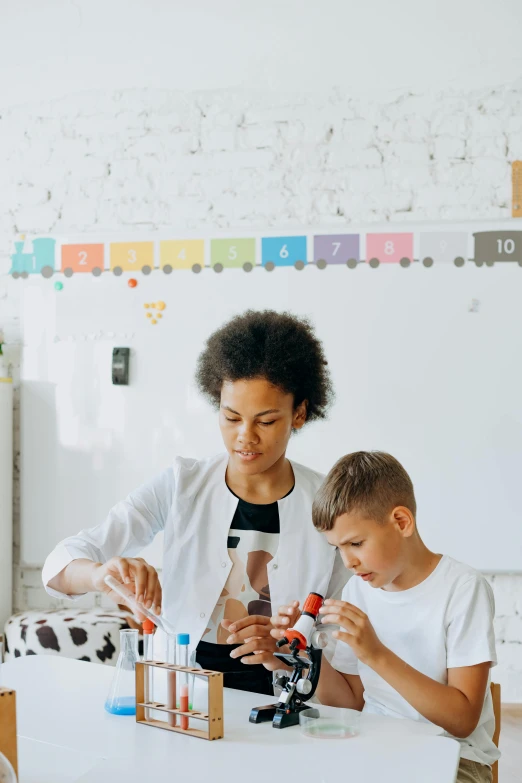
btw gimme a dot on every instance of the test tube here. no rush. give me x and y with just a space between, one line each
171 679
183 658
148 655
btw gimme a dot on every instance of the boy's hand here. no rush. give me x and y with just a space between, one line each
286 617
356 630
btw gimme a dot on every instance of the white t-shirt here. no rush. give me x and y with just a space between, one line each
444 622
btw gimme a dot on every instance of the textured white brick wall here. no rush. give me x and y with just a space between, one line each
145 159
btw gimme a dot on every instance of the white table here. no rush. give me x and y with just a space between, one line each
62 722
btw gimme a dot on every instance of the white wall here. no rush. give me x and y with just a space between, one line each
56 47
114 159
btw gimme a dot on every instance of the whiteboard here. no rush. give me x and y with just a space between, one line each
425 362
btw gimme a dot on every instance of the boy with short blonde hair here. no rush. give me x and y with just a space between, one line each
416 633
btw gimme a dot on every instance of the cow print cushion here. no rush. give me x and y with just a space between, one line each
87 635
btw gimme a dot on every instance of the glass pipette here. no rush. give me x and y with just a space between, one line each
130 599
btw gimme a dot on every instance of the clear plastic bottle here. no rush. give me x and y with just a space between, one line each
122 694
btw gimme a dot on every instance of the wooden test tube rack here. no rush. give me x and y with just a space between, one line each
8 726
213 717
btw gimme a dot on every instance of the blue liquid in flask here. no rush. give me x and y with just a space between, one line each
125 705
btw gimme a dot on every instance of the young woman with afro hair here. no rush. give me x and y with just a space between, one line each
239 540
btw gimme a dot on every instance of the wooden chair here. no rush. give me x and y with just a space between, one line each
495 695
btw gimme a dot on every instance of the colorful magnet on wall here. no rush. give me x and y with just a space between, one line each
160 305
389 249
284 251
337 249
233 253
82 258
132 283
58 286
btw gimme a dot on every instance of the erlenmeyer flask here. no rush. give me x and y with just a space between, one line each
122 694
7 774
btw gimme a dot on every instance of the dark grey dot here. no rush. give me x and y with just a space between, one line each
16 275
247 266
25 275
351 263
218 268
299 265
196 268
374 263
478 262
459 261
47 271
68 272
321 264
269 266
428 261
146 270
96 271
118 271
167 269
405 262
490 263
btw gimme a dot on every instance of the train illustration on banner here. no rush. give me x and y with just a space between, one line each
48 256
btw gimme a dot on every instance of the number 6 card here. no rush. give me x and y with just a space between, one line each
283 251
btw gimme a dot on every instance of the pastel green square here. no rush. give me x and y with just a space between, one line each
232 253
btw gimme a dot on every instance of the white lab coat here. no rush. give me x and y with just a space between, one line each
192 504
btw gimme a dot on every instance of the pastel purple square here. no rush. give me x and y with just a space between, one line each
336 248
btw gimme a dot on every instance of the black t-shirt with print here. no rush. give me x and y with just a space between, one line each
252 543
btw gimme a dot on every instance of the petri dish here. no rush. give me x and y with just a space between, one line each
329 723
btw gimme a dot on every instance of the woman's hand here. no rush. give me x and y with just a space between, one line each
286 618
136 574
253 634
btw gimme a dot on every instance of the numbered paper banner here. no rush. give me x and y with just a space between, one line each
233 253
34 256
283 251
448 247
337 248
182 254
132 256
492 246
82 258
389 248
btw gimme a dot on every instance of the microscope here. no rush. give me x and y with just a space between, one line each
306 643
